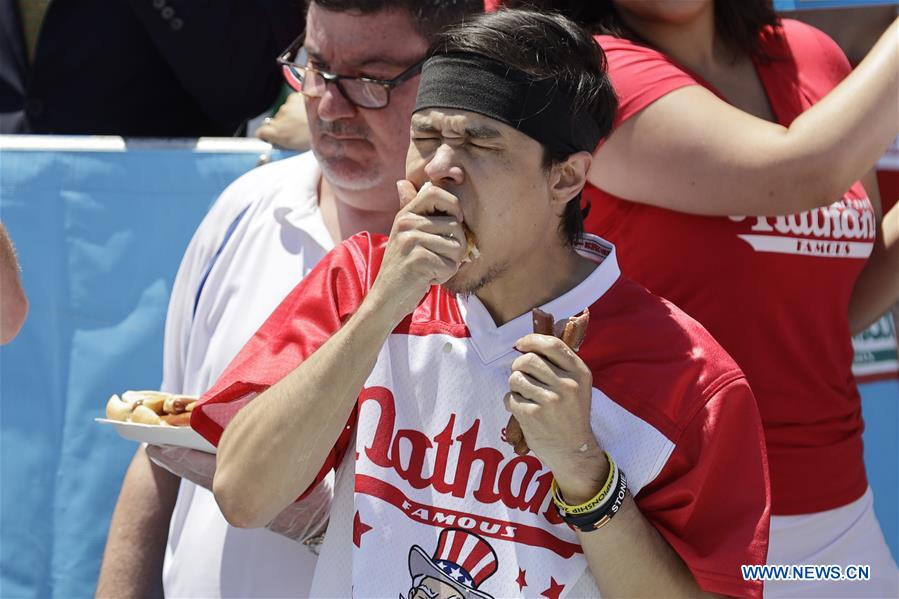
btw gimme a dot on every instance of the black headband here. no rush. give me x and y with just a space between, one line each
539 108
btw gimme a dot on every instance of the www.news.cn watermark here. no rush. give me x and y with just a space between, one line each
806 572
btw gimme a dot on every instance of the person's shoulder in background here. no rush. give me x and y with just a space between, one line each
292 179
855 29
640 74
816 55
296 175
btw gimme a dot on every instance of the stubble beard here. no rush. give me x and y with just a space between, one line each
465 289
347 173
341 170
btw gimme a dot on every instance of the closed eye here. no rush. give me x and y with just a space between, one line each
428 144
418 139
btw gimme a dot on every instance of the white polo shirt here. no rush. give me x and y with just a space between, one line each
263 234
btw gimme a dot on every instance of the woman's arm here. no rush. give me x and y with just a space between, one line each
693 152
877 287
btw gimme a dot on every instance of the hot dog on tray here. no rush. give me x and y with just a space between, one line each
151 407
572 332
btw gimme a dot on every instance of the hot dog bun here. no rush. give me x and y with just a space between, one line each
144 415
471 242
116 409
575 330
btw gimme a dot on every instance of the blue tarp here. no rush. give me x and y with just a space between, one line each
100 235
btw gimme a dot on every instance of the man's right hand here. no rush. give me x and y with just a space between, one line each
426 247
259 448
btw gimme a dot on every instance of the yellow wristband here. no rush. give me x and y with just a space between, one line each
597 499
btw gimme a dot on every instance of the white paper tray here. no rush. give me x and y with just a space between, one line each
182 436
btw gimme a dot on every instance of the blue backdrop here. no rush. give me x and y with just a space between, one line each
100 234
804 4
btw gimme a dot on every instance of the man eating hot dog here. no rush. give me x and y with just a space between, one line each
398 360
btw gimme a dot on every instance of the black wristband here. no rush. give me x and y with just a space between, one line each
596 519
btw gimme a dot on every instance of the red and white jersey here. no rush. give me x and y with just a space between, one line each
774 291
426 486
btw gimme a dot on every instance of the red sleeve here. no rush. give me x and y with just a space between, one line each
807 65
711 501
816 53
314 310
833 61
640 75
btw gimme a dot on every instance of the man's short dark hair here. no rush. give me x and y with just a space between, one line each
545 46
430 16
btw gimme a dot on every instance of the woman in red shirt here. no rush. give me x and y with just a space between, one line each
737 185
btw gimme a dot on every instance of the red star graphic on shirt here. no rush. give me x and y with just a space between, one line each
554 590
520 580
359 529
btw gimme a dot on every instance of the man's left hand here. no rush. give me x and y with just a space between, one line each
550 393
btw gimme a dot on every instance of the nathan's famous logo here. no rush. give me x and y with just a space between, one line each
845 229
461 468
520 483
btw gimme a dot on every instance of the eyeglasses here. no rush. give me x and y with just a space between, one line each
363 92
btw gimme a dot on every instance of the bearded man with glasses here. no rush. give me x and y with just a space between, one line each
356 65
